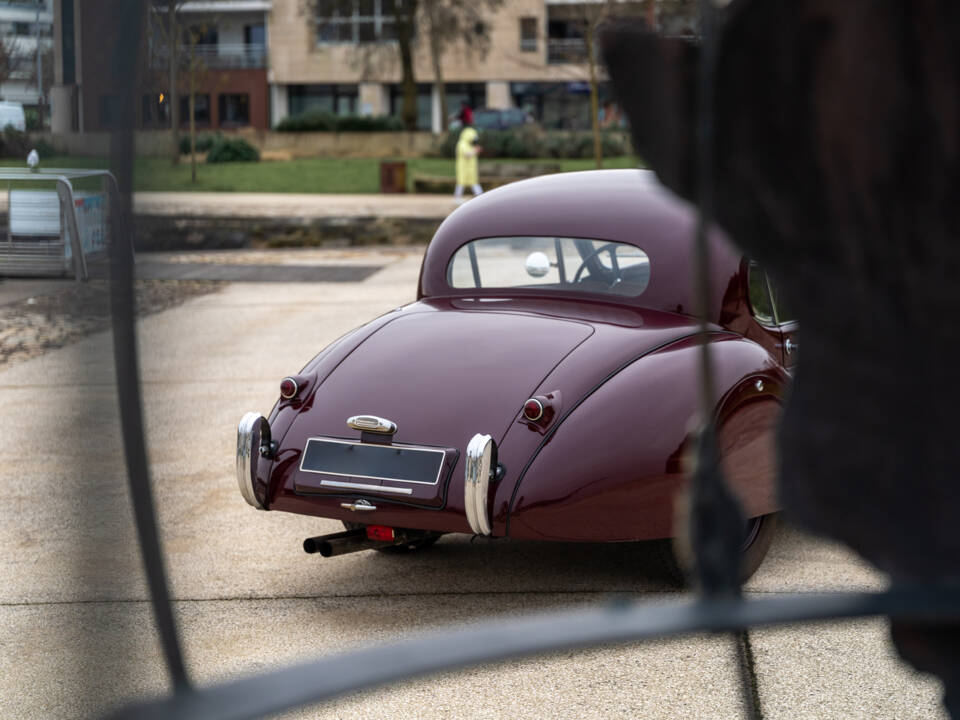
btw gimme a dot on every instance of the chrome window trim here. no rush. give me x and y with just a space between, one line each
251 430
418 448
477 483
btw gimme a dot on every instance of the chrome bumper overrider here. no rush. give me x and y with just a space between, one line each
252 433
481 458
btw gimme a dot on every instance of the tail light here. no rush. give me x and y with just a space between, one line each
380 532
289 388
532 409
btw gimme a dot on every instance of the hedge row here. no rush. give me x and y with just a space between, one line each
323 121
536 143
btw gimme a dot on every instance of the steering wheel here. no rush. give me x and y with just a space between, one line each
611 249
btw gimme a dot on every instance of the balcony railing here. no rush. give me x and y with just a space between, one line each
220 56
566 50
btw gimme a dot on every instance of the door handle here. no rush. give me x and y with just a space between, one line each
791 346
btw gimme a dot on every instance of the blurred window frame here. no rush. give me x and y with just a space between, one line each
528 34
352 22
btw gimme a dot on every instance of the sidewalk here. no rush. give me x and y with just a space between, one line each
285 205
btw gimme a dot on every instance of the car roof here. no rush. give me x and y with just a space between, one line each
628 206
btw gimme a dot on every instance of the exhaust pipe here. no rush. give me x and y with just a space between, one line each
349 541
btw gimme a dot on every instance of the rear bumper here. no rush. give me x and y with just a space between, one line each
253 445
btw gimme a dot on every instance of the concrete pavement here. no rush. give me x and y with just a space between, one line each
76 635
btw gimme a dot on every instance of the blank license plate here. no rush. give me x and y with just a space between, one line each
372 462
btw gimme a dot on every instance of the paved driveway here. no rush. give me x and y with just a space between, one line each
76 635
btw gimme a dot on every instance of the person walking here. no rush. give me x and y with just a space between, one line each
468 148
466 114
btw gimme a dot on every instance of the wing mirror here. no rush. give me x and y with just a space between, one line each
537 264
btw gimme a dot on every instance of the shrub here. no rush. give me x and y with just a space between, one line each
325 121
373 123
530 142
45 149
15 144
32 118
311 120
204 143
232 150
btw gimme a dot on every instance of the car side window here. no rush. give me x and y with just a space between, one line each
761 304
781 308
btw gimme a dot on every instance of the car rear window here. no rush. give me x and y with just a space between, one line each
551 263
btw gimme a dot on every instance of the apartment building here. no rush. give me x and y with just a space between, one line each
221 46
344 60
262 60
26 43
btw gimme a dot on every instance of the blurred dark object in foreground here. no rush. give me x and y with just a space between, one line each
837 166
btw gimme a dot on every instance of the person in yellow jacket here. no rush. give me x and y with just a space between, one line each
468 147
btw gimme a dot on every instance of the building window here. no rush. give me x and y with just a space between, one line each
473 94
201 109
424 104
255 35
234 109
202 34
23 28
528 34
357 21
335 99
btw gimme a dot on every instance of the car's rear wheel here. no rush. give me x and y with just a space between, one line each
758 536
760 532
424 542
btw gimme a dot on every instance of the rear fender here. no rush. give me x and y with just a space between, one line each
612 468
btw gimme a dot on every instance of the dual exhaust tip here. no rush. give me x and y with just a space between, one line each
351 541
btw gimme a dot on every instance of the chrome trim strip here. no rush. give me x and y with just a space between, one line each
252 429
477 482
373 477
372 488
372 423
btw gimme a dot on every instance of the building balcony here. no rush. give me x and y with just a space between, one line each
563 51
220 56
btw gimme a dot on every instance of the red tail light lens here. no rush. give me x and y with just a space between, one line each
533 409
288 388
380 532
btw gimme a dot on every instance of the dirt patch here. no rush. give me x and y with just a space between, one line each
30 327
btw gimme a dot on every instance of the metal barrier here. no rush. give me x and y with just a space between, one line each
56 230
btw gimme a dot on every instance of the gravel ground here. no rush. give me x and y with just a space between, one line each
31 327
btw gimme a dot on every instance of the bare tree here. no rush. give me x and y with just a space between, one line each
374 53
456 22
164 22
587 18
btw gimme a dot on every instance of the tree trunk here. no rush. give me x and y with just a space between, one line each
173 97
406 17
436 56
589 36
192 111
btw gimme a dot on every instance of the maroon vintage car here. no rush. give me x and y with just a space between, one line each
543 386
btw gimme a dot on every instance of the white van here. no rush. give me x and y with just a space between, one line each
11 113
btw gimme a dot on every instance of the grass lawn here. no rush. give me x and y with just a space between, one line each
320 175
